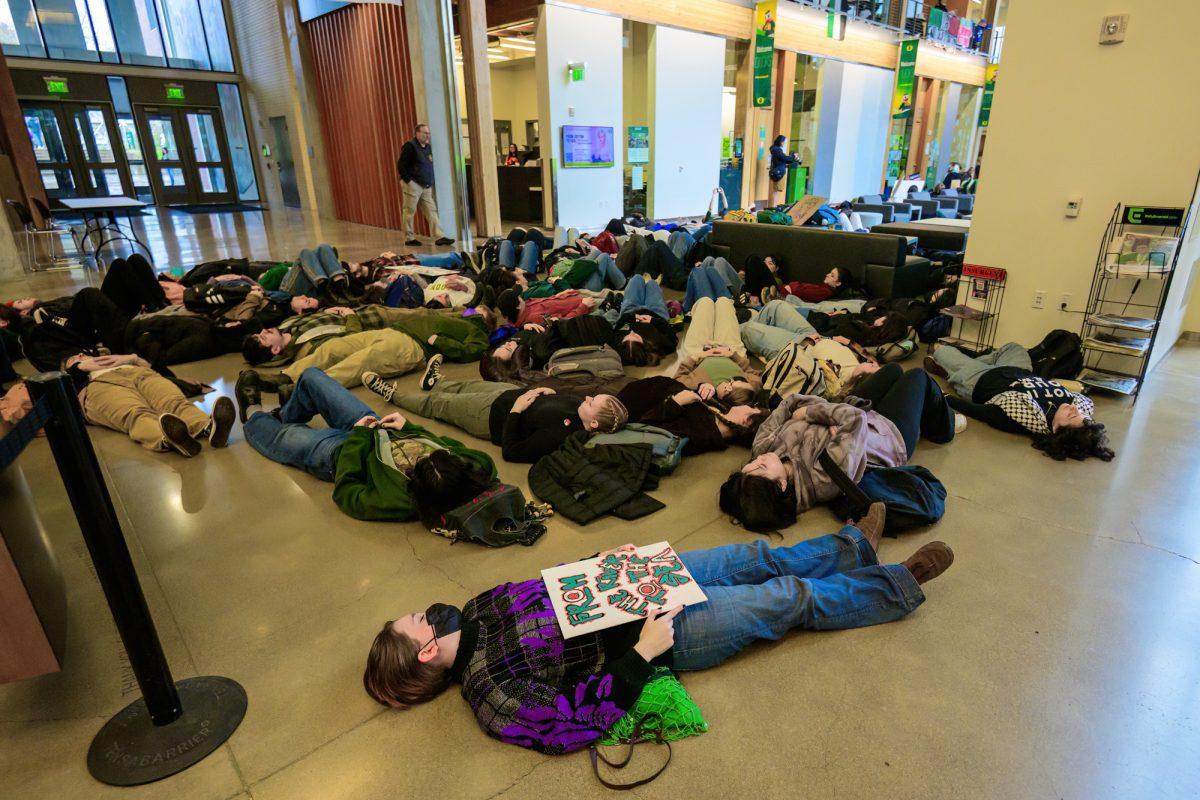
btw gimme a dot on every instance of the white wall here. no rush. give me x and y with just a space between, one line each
514 95
852 135
685 131
1059 132
584 198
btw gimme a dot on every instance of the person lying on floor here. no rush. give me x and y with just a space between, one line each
92 321
1001 389
785 476
869 329
713 278
707 423
643 324
518 311
131 284
381 468
712 346
123 393
529 350
530 687
526 423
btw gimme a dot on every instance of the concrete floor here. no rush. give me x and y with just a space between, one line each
1056 659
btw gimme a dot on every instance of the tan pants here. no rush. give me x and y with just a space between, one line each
131 399
713 323
414 195
346 358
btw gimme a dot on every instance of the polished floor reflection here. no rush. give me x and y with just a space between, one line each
1056 659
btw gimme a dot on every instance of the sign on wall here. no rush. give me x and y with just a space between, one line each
175 91
765 15
638 144
903 98
1145 215
604 591
56 85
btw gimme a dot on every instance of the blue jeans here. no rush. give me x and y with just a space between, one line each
446 260
641 295
311 270
826 306
705 281
606 274
777 325
288 439
507 257
680 242
756 592
965 371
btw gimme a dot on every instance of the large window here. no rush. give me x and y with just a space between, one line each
185 34
239 141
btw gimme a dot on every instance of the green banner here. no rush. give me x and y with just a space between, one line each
902 109
765 14
989 89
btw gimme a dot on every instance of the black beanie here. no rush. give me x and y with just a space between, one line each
508 303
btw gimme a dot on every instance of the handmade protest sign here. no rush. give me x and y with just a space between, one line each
600 592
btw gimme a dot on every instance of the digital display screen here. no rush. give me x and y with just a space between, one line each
587 146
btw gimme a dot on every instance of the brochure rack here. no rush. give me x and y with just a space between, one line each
980 295
1133 275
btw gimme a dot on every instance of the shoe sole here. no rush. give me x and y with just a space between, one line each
223 415
177 437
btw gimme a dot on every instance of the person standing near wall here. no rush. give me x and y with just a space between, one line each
780 161
416 178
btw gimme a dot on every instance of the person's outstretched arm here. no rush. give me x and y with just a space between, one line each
990 413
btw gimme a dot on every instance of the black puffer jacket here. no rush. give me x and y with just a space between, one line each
583 483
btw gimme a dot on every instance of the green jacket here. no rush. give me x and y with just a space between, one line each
368 484
461 339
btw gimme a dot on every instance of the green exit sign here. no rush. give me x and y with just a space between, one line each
175 93
575 71
57 86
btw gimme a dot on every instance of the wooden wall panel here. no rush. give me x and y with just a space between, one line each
802 29
368 108
706 16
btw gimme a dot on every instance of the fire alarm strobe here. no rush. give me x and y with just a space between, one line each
1113 29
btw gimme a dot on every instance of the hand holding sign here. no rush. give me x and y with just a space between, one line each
658 633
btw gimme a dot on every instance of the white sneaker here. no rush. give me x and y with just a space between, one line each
960 423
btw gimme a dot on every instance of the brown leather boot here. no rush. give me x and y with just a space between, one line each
872 523
930 561
934 368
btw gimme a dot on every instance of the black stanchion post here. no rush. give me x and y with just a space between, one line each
173 725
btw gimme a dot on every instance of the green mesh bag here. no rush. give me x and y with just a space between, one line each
773 217
663 705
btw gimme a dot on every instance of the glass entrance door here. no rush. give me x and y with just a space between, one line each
210 161
187 156
94 127
50 150
167 169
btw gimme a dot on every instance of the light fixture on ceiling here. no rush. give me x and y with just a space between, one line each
518 44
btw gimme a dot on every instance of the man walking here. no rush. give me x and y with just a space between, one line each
416 178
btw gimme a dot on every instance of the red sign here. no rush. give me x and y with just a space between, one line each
986 273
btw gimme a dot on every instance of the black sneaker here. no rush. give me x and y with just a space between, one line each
433 373
247 392
176 436
383 388
413 243
223 415
284 390
442 242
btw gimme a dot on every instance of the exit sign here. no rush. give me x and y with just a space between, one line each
175 93
56 85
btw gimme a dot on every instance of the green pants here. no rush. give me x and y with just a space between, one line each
466 405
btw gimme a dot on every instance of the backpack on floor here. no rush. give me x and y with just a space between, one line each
1059 355
897 351
913 495
497 517
404 292
666 446
793 370
934 328
597 360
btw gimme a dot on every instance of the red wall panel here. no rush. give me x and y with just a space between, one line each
367 105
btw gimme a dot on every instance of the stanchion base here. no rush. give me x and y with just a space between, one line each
130 749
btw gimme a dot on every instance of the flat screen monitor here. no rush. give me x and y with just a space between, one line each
587 146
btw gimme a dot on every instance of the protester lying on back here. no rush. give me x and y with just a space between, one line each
1000 389
529 686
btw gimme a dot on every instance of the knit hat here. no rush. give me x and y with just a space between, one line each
509 304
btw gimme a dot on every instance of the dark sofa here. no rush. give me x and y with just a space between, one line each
809 253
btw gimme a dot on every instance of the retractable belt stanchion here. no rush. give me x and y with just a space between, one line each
173 725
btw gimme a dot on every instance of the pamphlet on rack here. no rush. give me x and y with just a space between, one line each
1117 321
1153 253
1132 345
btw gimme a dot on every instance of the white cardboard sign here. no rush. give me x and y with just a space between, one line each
603 591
